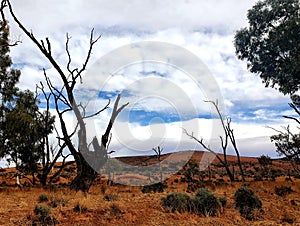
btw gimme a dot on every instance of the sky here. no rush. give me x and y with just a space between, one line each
165 58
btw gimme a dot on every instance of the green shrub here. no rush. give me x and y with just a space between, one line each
178 202
247 202
42 210
207 203
283 190
43 198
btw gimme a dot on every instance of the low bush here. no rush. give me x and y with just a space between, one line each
43 198
207 203
283 190
204 203
178 202
247 202
42 210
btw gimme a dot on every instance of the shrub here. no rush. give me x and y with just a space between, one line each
43 198
283 190
55 202
207 203
157 187
42 211
247 202
178 202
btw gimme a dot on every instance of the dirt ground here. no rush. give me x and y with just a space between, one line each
124 205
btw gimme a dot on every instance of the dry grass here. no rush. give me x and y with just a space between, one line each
131 207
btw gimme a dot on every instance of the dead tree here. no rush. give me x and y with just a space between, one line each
225 139
87 162
158 150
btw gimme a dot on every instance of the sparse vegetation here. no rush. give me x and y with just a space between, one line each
55 202
43 198
157 187
283 190
80 208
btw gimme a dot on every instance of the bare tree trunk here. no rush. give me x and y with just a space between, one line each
87 162
228 136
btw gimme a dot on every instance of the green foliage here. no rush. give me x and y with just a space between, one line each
204 203
23 127
271 43
8 79
25 132
178 202
264 160
207 203
247 202
287 144
42 210
283 190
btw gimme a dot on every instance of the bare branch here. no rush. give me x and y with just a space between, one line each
293 118
98 112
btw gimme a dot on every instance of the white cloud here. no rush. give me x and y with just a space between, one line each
205 28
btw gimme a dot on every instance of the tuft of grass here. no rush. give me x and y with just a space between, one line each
283 190
115 209
55 202
111 197
80 208
43 198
